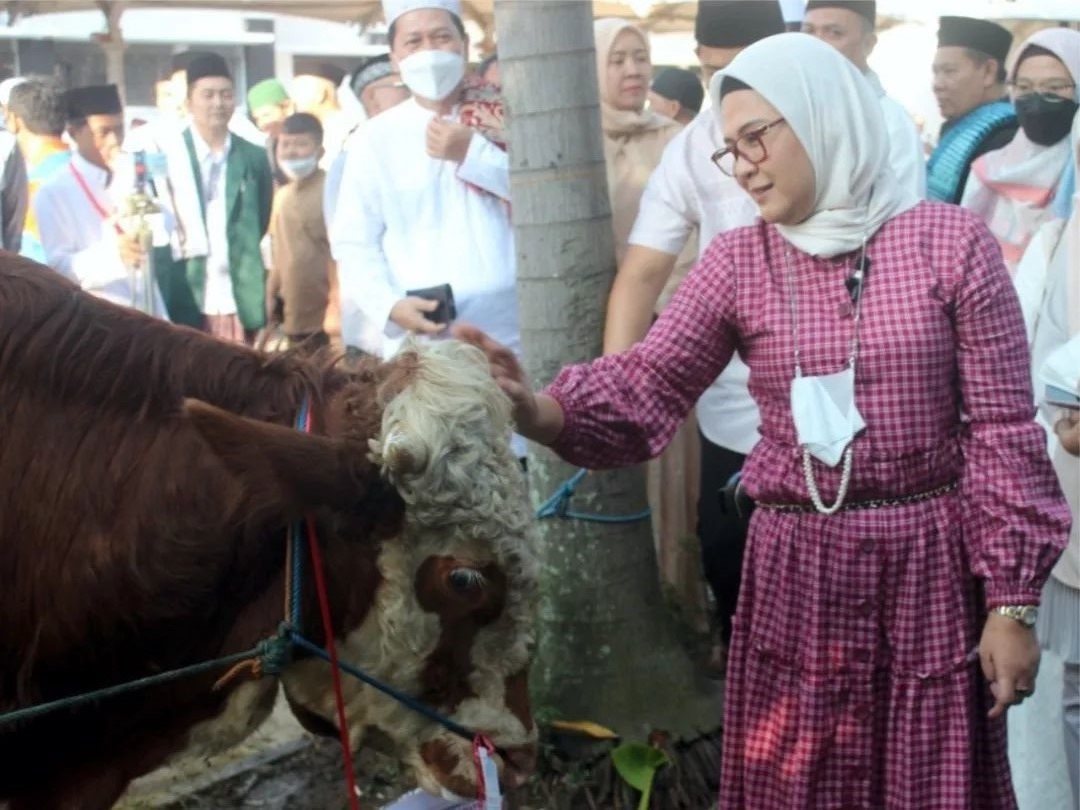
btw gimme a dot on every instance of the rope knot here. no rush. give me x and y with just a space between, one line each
275 653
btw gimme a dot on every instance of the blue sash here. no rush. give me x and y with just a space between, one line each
948 166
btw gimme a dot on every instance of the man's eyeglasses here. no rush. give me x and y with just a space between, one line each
750 147
1054 87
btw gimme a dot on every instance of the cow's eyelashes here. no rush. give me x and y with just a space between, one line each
466 580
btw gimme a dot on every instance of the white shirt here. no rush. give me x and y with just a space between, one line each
1041 281
407 221
685 190
219 298
336 130
410 221
906 155
365 334
80 242
156 135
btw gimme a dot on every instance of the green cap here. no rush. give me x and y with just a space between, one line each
265 93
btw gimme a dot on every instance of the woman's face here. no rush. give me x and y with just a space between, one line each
629 72
1043 74
781 182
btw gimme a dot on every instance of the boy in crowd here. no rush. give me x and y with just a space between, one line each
303 279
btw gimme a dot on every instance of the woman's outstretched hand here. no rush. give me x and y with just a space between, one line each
533 414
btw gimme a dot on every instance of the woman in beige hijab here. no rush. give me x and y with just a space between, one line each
634 137
634 140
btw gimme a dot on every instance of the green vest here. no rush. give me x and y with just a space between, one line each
248 196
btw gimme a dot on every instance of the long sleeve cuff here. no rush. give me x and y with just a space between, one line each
1001 594
486 166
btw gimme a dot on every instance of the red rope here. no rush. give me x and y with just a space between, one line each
335 673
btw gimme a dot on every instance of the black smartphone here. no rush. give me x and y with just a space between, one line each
446 311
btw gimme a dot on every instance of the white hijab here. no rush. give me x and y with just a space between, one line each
836 115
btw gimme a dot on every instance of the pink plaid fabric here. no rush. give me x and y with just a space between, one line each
854 679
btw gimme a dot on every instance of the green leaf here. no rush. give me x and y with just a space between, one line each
637 764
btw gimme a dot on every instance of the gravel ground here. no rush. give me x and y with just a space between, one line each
280 767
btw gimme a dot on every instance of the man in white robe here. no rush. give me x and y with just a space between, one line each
848 25
427 200
80 215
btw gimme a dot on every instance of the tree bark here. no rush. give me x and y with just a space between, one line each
608 649
113 45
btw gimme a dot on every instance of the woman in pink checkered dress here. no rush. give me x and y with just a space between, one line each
901 538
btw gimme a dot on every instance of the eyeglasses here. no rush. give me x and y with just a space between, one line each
750 147
1058 87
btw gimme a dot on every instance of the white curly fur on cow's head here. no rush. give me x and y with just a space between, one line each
445 446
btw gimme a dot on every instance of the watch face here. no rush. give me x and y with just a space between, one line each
1028 615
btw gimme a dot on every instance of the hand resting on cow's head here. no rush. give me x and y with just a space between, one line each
148 474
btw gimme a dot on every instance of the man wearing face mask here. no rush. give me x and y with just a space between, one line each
428 188
303 272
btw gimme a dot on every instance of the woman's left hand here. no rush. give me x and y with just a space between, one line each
1068 432
1009 653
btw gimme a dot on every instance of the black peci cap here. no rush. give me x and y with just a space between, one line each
97 99
737 23
864 8
979 35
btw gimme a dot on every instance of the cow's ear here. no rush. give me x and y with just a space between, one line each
282 468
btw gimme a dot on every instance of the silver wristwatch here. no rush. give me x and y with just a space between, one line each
1025 614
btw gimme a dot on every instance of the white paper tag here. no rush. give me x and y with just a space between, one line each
490 773
421 800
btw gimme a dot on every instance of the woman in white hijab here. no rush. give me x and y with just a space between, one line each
1012 188
907 515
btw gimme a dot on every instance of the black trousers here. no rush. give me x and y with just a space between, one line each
722 536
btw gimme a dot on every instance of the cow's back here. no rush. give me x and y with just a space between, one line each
122 549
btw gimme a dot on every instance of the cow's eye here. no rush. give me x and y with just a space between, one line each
466 580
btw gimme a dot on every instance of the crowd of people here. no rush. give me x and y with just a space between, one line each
808 310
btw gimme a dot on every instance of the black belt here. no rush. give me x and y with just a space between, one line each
876 503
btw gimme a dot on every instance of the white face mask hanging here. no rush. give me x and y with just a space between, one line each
826 419
823 407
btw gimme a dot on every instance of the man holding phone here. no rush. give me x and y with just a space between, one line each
422 226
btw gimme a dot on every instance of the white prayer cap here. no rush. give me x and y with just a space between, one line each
7 85
393 9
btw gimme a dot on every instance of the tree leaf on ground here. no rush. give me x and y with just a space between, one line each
586 728
637 764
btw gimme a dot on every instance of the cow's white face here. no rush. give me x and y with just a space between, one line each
451 621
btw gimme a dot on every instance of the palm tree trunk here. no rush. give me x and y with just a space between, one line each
608 648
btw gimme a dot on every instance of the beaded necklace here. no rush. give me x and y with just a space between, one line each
859 277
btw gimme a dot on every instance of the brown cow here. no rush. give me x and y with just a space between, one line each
148 474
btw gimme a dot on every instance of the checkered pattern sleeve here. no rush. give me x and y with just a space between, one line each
1017 523
623 409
